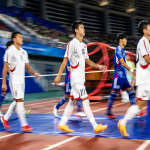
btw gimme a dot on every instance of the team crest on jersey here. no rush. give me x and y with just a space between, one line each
84 46
83 52
23 52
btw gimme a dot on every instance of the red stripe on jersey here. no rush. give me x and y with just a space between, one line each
144 66
13 69
68 49
74 67
138 98
144 56
145 46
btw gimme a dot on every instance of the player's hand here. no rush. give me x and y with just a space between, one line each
102 67
37 75
134 72
132 83
4 87
57 80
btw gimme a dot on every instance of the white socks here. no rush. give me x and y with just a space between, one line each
131 113
11 109
67 113
88 112
20 112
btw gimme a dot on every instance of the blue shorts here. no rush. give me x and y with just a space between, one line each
120 83
7 83
67 88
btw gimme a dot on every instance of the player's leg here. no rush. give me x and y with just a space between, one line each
142 97
81 92
2 96
116 86
79 109
68 111
130 91
63 100
60 103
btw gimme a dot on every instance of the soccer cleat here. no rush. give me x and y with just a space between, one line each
100 128
27 112
64 128
141 113
80 114
111 116
27 128
5 123
55 111
122 129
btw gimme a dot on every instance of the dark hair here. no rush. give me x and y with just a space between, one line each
14 34
121 36
143 25
75 25
9 43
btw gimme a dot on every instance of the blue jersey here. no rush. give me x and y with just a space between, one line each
67 78
120 71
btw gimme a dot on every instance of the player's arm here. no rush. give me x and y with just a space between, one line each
147 59
8 70
61 69
126 66
94 65
4 86
30 70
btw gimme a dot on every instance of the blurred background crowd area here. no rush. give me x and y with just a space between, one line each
51 20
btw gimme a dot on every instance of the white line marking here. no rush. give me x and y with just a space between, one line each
60 143
8 135
143 145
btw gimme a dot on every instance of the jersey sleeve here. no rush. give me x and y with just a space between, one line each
7 56
119 53
69 50
143 48
26 58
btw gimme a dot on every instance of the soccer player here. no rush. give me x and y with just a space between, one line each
17 60
77 54
4 93
67 95
119 77
142 76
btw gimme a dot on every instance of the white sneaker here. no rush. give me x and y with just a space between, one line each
80 114
1 114
55 111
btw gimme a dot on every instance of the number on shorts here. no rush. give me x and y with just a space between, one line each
82 92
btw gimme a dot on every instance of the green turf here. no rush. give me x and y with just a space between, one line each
37 96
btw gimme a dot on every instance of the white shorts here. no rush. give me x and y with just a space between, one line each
78 91
143 92
17 90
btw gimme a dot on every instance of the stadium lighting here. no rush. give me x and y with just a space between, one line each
104 3
130 10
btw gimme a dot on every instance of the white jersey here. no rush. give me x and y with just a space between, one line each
142 68
77 53
17 60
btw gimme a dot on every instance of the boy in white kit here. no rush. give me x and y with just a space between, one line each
17 60
77 54
142 76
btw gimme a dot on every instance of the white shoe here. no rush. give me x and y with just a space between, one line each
55 111
1 114
80 114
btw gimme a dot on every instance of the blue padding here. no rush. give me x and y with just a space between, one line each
47 124
148 114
